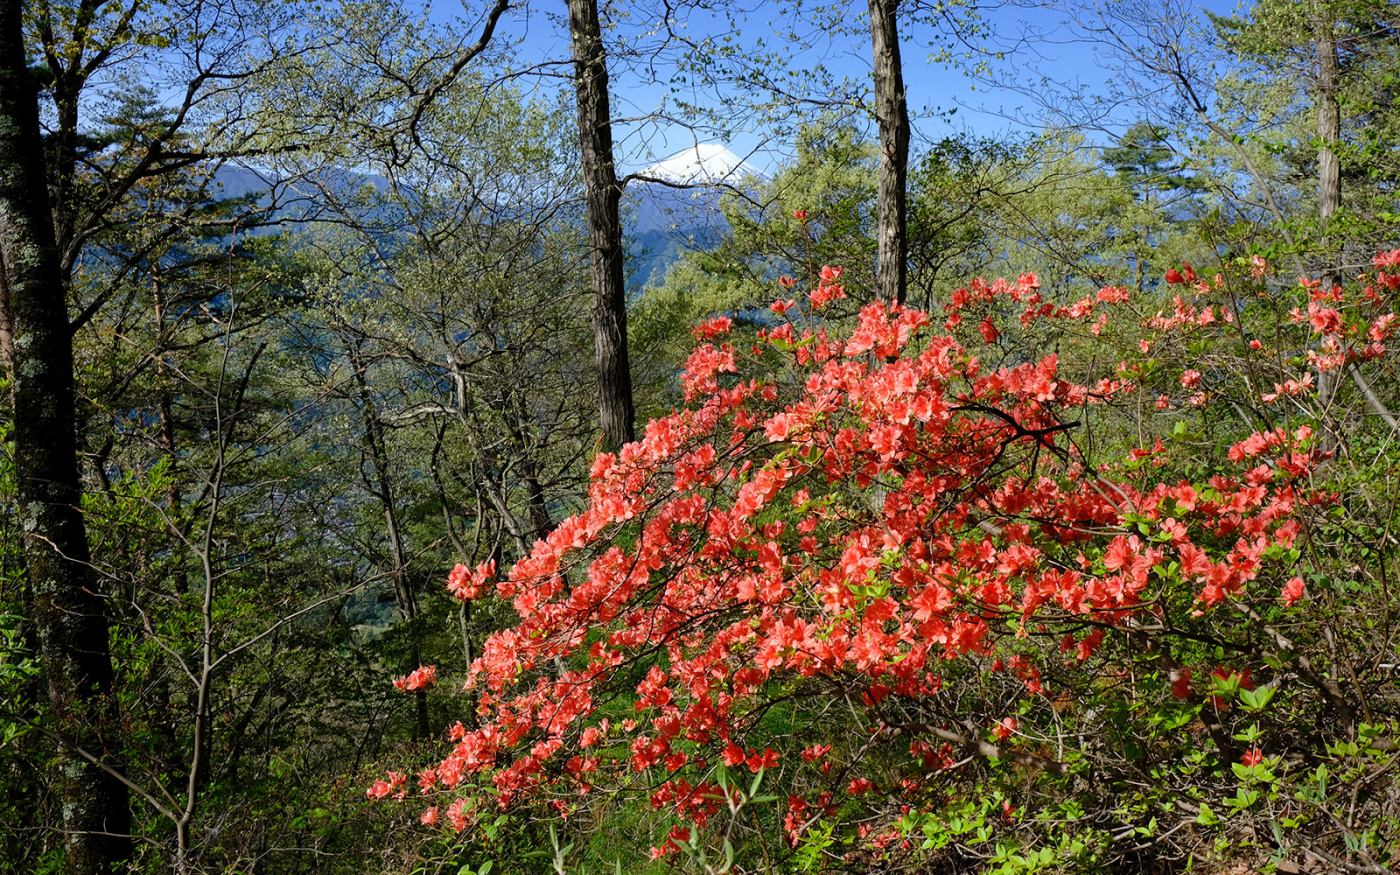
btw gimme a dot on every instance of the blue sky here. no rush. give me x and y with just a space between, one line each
977 106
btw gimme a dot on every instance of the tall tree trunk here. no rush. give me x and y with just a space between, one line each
1329 132
1329 187
603 194
70 614
1329 197
892 114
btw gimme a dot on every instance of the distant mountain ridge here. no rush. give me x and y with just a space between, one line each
659 222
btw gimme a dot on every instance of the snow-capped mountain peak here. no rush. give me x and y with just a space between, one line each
701 163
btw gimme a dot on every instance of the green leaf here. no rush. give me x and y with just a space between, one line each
1256 699
757 779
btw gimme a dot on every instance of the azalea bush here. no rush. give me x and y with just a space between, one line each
1019 585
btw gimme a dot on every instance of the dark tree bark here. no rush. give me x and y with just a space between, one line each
516 419
892 114
70 613
603 193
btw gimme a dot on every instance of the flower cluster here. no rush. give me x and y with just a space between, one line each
420 678
846 514
466 583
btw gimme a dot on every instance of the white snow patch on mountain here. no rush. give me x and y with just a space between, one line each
701 163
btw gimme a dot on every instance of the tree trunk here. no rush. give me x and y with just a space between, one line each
67 87
1329 188
892 114
70 614
1329 123
383 487
7 335
517 422
603 194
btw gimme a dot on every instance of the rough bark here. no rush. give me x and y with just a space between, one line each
7 334
70 613
602 193
892 114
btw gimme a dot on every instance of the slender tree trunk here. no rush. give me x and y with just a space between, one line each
517 421
1329 196
1329 123
384 488
1329 187
603 194
65 94
892 114
70 614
